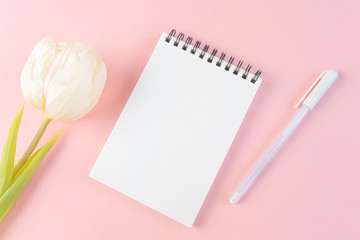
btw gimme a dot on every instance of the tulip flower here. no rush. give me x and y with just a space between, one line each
62 80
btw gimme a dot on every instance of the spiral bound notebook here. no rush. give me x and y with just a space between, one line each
177 127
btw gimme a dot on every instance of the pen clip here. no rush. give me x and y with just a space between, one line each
310 89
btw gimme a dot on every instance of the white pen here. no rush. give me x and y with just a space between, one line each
307 102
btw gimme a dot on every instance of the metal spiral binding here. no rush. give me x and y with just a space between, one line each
229 63
187 42
171 34
238 66
256 77
221 59
179 38
212 55
247 70
205 49
196 46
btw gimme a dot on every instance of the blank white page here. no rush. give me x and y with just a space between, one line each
175 131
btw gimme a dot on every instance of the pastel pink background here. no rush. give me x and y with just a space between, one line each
311 189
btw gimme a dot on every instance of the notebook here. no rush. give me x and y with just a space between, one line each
177 127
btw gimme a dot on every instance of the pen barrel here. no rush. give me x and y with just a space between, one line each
269 154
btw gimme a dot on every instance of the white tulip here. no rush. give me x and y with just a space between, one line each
63 80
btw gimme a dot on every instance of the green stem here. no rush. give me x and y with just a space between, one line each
32 145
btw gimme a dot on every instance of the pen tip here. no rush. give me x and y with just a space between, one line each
232 201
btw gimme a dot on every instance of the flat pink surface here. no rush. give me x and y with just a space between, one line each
311 189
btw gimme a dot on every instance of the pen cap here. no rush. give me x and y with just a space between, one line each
317 90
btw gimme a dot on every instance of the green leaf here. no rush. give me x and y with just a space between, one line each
8 156
9 198
25 165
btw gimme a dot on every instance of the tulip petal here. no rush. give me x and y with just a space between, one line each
8 199
77 85
36 70
8 156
